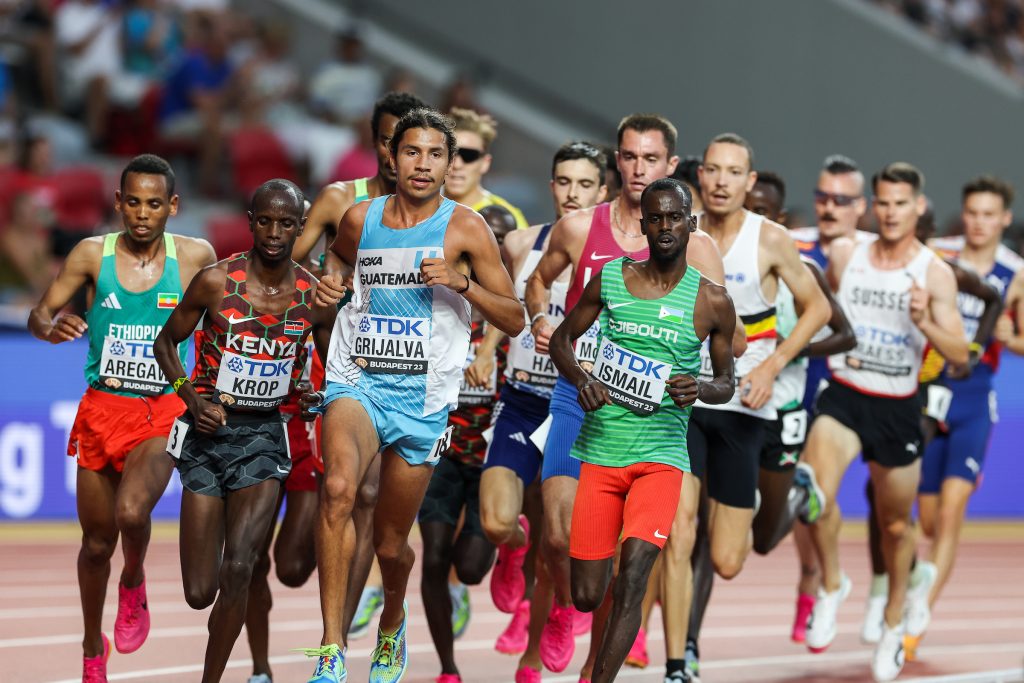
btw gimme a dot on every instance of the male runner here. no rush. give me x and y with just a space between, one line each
394 369
230 445
584 241
513 458
899 296
134 279
655 315
474 133
726 440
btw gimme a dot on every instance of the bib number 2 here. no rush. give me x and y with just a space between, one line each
440 446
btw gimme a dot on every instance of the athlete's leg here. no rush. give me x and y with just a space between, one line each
928 514
677 576
956 492
438 540
248 517
363 561
779 507
474 554
147 469
540 607
558 492
294 550
533 508
200 544
95 497
730 537
874 532
810 572
598 629
895 488
501 500
259 604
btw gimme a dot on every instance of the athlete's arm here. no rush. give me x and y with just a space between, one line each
565 239
203 295
714 312
968 282
933 309
196 254
323 324
592 393
80 268
323 217
702 253
1006 332
842 338
331 288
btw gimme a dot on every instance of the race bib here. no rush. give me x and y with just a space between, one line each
391 345
939 399
177 438
586 347
528 366
129 365
635 382
250 383
441 446
794 428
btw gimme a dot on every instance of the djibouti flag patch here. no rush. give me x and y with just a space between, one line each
672 315
166 300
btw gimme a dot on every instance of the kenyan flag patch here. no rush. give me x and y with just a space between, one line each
166 300
294 327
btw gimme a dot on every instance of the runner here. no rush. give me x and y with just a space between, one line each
655 314
725 441
394 370
584 241
475 133
898 295
133 280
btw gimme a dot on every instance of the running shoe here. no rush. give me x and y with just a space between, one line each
330 664
917 610
460 609
812 508
515 637
678 677
557 644
94 669
391 656
804 605
260 678
692 659
448 678
371 602
821 628
888 660
581 622
132 624
508 584
637 655
910 644
525 674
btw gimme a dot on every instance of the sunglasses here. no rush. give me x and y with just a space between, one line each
469 155
837 199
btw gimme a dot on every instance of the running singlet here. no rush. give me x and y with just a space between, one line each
743 282
476 406
890 347
643 342
123 326
399 341
252 360
362 192
599 248
527 370
790 384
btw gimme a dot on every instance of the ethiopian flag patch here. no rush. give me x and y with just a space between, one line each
672 315
165 300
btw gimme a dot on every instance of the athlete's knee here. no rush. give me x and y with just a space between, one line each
131 515
679 545
337 497
261 567
587 595
98 548
498 528
896 528
369 491
236 574
554 541
391 552
294 572
728 564
472 568
200 594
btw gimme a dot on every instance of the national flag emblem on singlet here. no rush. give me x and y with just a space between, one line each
166 300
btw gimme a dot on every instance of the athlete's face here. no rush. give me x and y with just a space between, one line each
764 200
725 178
897 210
276 220
643 158
464 176
839 203
382 145
421 162
667 222
576 184
145 206
985 218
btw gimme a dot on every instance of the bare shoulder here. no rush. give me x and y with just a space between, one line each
337 194
578 222
88 250
775 236
194 250
356 213
519 241
939 272
465 218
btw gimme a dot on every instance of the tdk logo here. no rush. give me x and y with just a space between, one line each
391 326
260 368
640 365
875 335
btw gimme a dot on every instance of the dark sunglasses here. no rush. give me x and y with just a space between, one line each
469 155
837 199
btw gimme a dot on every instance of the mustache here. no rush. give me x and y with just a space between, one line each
828 217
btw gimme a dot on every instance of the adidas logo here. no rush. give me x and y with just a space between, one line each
111 302
518 436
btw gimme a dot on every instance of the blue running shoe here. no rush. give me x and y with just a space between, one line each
460 609
391 656
371 602
330 665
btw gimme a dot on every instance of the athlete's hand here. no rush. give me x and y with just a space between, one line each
919 299
308 400
66 327
756 388
542 331
478 374
208 416
961 371
593 395
436 271
1004 331
682 389
329 291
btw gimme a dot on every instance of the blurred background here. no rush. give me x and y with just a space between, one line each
233 93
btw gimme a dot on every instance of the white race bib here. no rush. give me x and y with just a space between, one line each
129 365
586 347
529 367
939 399
476 396
250 383
177 438
391 344
635 382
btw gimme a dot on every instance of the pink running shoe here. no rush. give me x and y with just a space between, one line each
94 669
581 622
508 585
514 639
557 644
525 674
448 678
132 624
804 607
637 655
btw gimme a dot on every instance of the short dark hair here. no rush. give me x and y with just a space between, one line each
774 180
577 149
280 185
686 170
837 164
150 164
989 183
669 185
733 139
642 123
398 104
424 117
609 162
899 172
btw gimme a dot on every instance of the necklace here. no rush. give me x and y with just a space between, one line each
617 220
144 263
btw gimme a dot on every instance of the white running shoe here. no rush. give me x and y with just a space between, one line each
918 613
821 628
889 657
874 619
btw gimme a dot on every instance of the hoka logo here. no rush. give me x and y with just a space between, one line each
371 261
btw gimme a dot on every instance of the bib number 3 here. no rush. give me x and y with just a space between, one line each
440 446
177 438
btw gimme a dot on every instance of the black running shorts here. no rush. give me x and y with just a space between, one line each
889 429
725 449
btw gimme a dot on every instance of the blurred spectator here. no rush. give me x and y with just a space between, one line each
360 160
29 25
345 88
152 39
461 94
400 80
26 264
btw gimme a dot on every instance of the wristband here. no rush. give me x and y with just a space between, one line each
178 383
975 347
464 289
536 317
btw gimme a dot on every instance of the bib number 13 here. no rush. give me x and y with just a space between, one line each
440 446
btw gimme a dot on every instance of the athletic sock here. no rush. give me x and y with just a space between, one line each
879 584
674 665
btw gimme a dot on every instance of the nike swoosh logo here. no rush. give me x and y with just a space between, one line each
620 304
594 256
283 471
234 321
658 534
